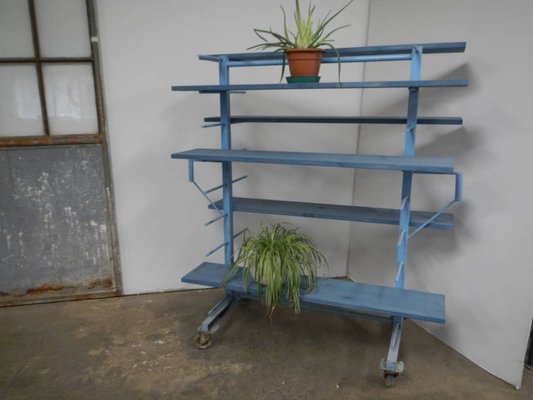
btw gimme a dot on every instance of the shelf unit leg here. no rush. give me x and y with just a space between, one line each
216 312
391 366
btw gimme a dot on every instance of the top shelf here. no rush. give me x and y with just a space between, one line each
427 48
401 52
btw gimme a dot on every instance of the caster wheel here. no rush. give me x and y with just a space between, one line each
244 302
390 379
203 340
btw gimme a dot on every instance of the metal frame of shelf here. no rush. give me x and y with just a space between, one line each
393 304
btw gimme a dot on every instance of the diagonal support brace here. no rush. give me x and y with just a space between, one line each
221 186
191 179
457 198
206 192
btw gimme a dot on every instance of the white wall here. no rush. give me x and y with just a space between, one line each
148 46
484 266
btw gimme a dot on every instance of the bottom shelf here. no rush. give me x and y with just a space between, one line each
339 293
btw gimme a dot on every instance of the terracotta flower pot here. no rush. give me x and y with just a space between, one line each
304 62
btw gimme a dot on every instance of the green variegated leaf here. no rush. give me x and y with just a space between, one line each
277 258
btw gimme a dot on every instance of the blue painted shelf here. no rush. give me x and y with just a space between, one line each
434 165
398 49
351 296
325 85
238 119
336 212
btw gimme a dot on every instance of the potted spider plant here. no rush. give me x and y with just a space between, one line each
282 261
302 49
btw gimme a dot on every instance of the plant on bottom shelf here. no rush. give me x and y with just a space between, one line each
303 48
282 261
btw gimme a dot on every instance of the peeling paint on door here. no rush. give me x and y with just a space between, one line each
54 228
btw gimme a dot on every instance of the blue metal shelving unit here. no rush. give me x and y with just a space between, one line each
390 304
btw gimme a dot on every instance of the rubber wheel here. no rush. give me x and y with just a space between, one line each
203 340
389 379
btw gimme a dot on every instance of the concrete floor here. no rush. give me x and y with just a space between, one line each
141 347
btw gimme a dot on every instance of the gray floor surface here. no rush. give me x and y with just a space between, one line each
141 347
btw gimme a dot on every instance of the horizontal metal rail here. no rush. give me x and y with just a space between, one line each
238 119
324 85
428 48
60 140
325 60
33 60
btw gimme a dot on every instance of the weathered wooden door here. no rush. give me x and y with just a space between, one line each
57 229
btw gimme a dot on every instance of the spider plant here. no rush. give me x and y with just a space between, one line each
309 35
282 261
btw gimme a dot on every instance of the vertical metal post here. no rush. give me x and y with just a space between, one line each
407 179
227 178
391 366
203 340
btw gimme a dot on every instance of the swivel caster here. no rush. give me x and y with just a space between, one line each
389 379
203 340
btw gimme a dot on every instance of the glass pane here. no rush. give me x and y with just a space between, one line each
20 109
63 28
70 100
15 29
